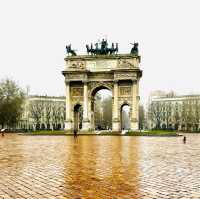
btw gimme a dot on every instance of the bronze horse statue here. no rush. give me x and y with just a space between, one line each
134 49
113 49
70 51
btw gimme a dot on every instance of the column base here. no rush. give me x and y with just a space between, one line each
68 125
134 126
116 125
86 125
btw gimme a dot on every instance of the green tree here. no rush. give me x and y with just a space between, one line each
11 103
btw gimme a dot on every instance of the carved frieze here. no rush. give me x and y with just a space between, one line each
124 90
101 65
77 64
124 76
77 76
103 76
124 63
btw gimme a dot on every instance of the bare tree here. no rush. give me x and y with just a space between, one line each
107 112
141 117
62 113
184 115
36 108
176 116
98 110
155 113
196 114
168 110
48 109
56 114
189 115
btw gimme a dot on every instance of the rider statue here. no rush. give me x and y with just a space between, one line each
134 49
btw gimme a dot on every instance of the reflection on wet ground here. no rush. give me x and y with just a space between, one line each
99 167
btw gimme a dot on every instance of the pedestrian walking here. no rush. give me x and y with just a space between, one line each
184 139
2 132
75 133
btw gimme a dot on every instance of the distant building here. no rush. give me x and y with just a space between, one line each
174 112
43 112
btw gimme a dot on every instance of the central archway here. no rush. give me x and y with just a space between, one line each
101 108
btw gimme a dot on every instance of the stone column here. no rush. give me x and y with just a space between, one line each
135 106
86 124
115 120
68 121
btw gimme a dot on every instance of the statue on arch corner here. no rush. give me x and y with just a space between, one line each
134 49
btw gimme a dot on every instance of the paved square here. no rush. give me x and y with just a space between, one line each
103 167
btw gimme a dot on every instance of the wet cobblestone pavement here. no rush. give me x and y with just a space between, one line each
103 167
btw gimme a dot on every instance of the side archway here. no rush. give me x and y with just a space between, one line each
78 117
125 120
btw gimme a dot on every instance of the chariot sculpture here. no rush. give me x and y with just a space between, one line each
103 49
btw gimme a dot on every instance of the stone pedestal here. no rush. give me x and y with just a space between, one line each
134 124
115 125
68 125
86 125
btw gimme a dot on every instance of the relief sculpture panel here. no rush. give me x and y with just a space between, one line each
78 91
123 63
77 65
125 91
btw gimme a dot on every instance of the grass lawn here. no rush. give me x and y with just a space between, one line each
45 132
105 133
152 133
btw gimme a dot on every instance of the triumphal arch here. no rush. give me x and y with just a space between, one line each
101 68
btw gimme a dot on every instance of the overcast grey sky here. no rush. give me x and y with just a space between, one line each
34 33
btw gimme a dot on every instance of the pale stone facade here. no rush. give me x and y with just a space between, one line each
85 75
43 112
175 112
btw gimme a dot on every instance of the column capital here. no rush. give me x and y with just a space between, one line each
116 81
134 81
67 81
86 120
68 120
115 120
85 81
134 120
